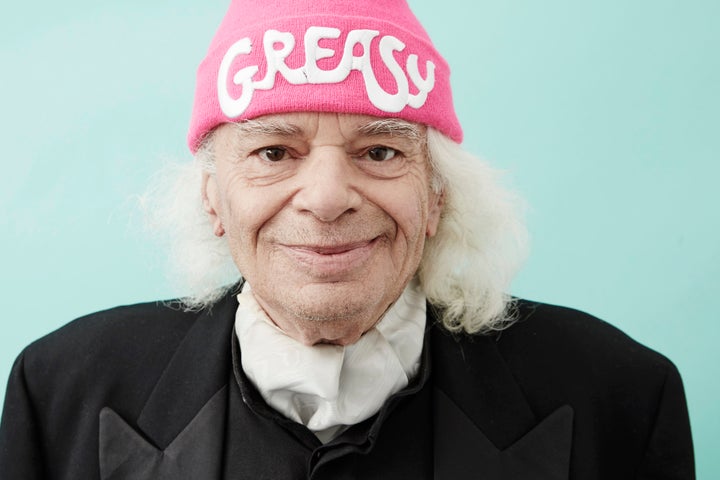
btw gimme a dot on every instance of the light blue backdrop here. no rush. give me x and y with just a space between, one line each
604 113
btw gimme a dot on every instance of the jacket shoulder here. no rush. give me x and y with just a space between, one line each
106 350
113 331
564 334
614 384
559 354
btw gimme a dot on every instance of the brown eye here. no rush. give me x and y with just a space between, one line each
272 154
381 154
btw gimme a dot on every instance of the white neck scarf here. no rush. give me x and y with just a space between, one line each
328 387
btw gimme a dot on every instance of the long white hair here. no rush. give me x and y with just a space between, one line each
466 268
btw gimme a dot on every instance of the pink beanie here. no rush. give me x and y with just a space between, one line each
348 56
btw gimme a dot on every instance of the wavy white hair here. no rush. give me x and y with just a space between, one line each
466 268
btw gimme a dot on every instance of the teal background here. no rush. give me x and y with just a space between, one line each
604 113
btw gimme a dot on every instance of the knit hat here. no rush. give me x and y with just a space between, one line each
367 57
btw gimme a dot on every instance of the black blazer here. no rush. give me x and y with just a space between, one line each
142 392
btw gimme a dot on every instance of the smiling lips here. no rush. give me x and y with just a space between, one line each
335 249
335 259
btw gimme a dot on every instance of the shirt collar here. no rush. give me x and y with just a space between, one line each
328 387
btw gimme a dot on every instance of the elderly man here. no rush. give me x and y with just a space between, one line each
368 334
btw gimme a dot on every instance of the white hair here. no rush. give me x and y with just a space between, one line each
466 268
481 242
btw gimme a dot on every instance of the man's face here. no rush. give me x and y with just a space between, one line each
326 216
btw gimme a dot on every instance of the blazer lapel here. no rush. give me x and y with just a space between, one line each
484 426
194 454
182 422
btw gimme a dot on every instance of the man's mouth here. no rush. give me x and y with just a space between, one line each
333 249
332 260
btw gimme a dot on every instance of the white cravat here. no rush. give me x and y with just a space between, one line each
328 387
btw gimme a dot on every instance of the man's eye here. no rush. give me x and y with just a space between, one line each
272 154
381 154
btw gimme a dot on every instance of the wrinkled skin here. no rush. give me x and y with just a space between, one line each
325 218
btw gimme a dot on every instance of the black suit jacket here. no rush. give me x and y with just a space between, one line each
142 392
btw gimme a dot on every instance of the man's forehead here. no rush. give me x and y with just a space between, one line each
299 124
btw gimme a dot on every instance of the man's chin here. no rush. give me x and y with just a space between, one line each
325 312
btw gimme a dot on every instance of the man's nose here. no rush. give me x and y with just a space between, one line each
328 186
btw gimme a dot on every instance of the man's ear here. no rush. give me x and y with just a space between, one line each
436 204
211 203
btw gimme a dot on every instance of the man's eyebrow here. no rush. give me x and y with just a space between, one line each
383 126
267 127
392 127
